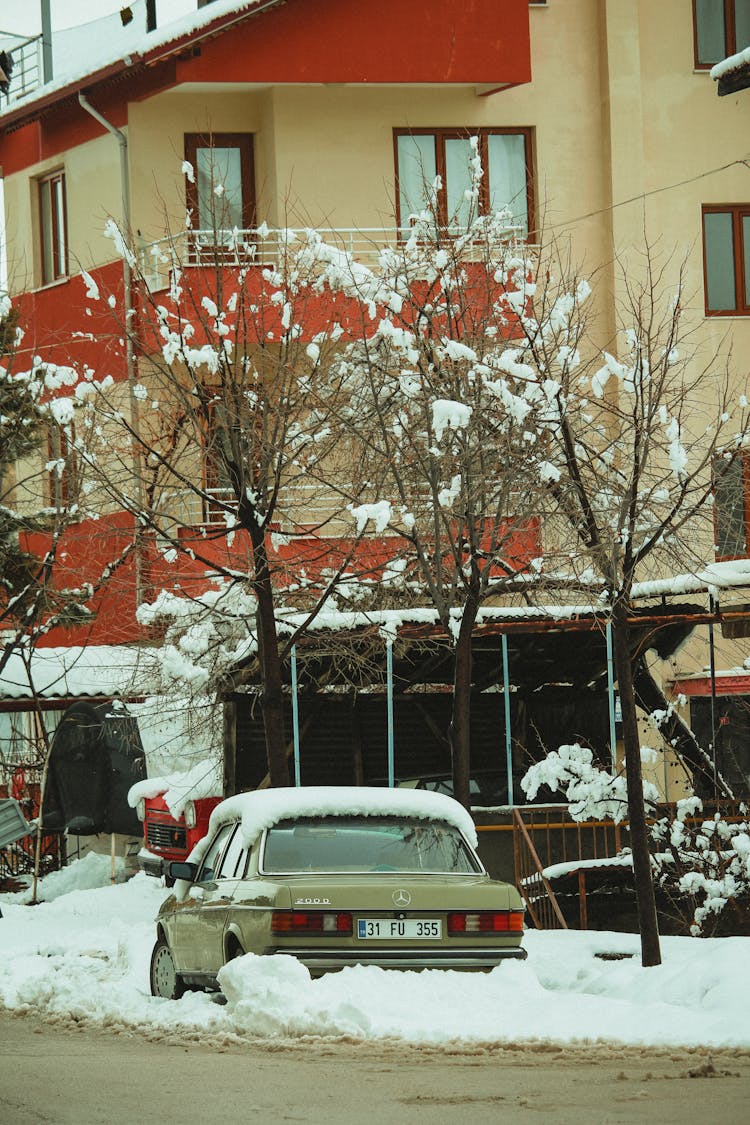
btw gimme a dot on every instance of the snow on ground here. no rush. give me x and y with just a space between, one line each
83 953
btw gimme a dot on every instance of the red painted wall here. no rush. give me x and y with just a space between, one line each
62 326
88 548
476 41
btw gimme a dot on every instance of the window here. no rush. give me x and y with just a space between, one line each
221 187
53 227
61 466
731 507
722 28
726 259
506 159
219 488
213 855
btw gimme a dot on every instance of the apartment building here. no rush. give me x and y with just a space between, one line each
598 122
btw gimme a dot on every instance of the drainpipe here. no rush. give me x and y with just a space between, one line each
122 141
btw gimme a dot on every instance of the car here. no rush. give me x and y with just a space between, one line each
334 876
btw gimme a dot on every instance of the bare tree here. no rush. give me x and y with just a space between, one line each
232 435
440 427
624 460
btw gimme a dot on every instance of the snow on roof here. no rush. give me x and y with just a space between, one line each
106 670
263 807
734 62
129 48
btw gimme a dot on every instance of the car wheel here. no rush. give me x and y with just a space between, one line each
234 949
165 981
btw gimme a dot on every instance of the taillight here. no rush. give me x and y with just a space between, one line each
310 922
486 922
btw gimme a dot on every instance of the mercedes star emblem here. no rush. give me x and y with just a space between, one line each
401 898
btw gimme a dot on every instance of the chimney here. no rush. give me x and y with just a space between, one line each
150 15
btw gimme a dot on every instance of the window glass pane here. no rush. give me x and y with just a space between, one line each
729 500
416 171
507 175
58 191
212 855
45 200
710 31
458 153
746 255
228 867
718 237
365 844
219 182
742 24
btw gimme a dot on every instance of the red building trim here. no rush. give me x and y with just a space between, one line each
477 42
734 684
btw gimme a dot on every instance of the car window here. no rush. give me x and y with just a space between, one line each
366 844
212 856
232 865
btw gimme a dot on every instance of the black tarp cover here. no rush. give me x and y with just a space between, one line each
96 755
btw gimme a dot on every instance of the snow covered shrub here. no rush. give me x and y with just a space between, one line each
592 793
701 865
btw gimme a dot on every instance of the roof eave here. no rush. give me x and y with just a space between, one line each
31 110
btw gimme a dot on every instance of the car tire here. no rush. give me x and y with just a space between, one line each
165 981
234 950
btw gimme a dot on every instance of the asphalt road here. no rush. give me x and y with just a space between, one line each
72 1074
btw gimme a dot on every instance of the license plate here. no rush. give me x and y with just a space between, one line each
391 929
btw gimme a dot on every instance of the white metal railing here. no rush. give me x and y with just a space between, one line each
246 247
26 74
186 508
249 247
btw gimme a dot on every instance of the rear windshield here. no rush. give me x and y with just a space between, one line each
366 844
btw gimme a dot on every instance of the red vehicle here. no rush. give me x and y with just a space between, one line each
165 838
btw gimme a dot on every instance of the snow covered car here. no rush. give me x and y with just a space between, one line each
334 876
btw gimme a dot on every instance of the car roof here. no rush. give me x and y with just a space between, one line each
264 807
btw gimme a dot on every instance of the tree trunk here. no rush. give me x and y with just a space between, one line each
460 728
639 840
272 699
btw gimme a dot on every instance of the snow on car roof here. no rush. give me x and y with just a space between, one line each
264 807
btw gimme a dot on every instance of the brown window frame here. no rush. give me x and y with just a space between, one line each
730 35
738 211
58 251
442 134
241 141
217 495
744 462
61 487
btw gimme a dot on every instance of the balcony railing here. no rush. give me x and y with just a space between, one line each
362 245
26 73
240 247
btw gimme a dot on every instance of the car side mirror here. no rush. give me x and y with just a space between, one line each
187 871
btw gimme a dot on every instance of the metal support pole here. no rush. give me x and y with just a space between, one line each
295 717
506 701
389 667
712 666
611 698
47 62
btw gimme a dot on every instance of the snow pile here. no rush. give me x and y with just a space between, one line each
84 955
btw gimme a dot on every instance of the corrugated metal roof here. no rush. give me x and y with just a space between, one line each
95 670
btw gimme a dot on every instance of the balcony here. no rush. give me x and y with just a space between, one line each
26 72
210 249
